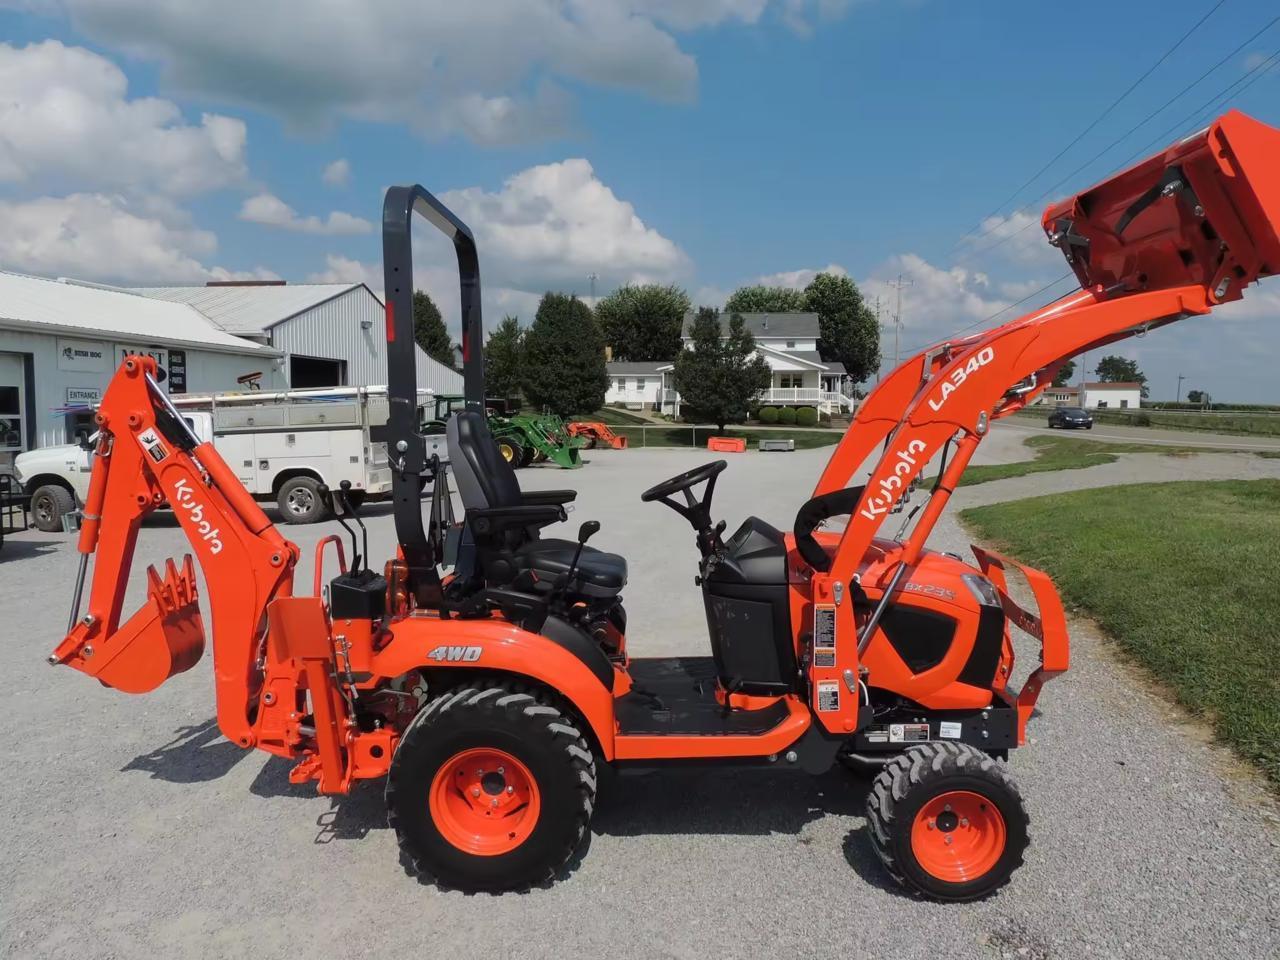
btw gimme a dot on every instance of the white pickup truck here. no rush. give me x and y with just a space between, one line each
282 447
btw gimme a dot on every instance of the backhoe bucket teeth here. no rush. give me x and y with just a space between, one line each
164 638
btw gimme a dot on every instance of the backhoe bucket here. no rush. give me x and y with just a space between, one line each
164 638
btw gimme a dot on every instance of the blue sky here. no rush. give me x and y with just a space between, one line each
709 143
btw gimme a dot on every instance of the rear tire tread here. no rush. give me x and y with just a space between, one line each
542 717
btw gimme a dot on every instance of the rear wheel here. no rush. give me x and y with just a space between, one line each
491 788
49 504
947 821
300 501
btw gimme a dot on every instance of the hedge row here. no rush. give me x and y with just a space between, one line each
787 416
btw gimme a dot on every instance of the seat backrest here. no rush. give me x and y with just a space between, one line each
484 478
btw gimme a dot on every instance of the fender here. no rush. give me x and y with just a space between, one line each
501 647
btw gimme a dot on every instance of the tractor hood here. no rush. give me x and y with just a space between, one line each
1204 211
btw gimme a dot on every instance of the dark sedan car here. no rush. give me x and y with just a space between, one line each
1071 418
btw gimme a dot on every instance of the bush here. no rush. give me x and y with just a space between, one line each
787 416
768 414
807 417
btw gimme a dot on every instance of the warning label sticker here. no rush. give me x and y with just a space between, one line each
151 442
824 635
828 696
908 733
949 730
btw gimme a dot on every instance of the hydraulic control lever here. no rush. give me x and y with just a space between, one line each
585 532
342 498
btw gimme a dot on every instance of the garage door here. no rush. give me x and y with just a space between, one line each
316 372
12 404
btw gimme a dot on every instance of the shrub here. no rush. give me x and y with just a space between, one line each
807 417
768 414
787 416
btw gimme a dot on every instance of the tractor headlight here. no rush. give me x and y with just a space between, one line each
983 590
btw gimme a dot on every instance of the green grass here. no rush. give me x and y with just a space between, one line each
1183 576
677 436
1053 452
1269 454
614 416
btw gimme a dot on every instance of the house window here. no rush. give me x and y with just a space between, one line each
789 381
1124 404
791 344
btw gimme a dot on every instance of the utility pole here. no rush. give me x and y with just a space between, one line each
1178 398
878 329
897 315
592 278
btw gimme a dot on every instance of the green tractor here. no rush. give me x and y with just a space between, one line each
522 438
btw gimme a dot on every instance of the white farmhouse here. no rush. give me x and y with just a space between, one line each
788 343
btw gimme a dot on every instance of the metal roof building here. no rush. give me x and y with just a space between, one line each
331 334
60 343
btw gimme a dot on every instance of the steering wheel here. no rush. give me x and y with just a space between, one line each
683 481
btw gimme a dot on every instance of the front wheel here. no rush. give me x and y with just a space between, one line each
511 452
491 788
948 821
49 504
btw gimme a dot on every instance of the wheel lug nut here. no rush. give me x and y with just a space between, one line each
494 802
475 791
947 808
501 770
964 823
930 824
511 789
948 840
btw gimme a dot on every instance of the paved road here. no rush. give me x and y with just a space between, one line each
133 829
1166 438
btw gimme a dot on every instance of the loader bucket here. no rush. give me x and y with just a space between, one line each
164 638
1205 211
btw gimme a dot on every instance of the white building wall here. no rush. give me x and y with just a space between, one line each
1127 399
633 388
206 371
785 343
352 327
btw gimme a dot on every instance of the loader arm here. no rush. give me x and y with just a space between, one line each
1172 237
145 456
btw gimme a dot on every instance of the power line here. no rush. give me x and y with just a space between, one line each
986 320
1256 73
1102 116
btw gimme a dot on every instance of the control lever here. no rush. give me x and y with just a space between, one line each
585 533
342 499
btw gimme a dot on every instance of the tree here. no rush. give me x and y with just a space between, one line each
1198 397
564 367
720 377
503 359
761 299
847 328
1065 374
1112 369
643 322
429 329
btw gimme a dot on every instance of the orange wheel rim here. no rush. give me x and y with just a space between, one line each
958 836
484 801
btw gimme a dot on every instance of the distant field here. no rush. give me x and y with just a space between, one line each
1183 576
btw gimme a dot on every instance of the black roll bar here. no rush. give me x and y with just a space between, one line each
406 447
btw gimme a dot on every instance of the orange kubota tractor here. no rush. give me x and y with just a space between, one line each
597 432
491 693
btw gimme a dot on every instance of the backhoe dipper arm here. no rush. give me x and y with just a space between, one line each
145 456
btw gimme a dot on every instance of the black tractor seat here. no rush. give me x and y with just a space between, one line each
598 574
505 521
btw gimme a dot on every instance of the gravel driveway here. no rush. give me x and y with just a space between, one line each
133 829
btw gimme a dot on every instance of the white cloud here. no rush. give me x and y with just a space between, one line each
340 269
101 237
65 118
1017 239
493 71
271 211
798 279
338 173
552 225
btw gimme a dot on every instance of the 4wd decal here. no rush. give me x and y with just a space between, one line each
445 653
185 495
960 374
907 461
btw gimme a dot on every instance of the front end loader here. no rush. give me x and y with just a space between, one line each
492 692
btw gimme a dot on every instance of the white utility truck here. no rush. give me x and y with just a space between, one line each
283 446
